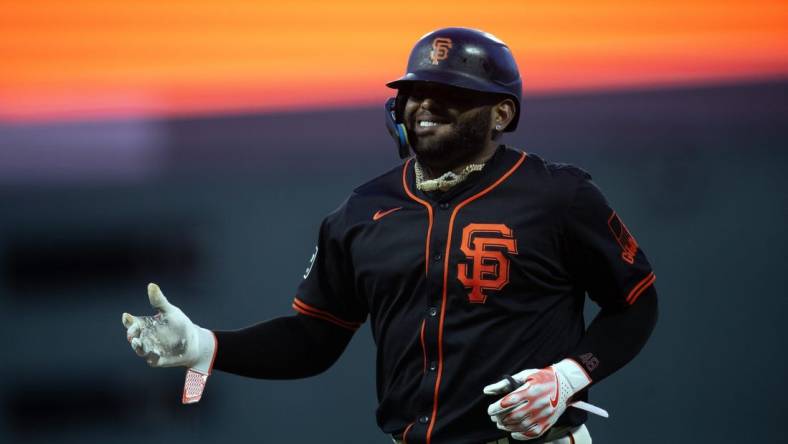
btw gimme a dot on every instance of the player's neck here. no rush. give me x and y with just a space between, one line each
481 157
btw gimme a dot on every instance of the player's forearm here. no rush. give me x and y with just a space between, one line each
615 337
283 348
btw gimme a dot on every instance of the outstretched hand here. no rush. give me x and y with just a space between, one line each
169 338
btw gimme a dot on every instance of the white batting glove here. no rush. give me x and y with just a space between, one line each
170 339
530 410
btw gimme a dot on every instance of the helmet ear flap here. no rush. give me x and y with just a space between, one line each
399 106
395 126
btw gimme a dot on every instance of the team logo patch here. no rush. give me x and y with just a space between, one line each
484 245
628 244
440 49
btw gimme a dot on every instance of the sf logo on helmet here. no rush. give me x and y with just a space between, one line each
490 266
440 49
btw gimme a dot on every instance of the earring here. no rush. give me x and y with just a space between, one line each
498 127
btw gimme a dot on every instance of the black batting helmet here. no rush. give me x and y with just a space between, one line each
465 58
461 57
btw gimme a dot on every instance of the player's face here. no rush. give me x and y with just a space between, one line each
447 127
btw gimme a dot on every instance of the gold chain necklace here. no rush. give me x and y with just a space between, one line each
446 181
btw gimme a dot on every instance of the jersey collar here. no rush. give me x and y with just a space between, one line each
501 161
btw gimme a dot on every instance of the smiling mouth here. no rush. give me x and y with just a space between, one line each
427 124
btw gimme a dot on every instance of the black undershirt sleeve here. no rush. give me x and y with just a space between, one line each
616 336
607 262
289 347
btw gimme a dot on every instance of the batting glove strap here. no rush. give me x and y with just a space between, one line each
575 376
206 349
197 375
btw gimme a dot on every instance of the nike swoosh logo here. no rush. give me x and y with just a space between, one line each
554 400
380 213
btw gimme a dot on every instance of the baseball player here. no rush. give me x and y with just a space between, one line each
471 259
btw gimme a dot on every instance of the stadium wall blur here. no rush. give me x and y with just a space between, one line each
223 213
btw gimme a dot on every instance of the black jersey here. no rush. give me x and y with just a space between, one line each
463 286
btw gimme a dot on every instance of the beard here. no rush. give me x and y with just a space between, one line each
457 148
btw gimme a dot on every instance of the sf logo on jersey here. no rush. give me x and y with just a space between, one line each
484 245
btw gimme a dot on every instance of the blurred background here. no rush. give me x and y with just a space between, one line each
198 144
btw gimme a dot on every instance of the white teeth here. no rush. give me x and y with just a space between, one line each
426 123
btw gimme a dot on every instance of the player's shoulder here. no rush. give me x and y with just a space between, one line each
554 171
367 196
554 176
548 183
384 184
567 171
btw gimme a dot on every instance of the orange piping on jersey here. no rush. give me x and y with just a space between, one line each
640 288
445 284
429 214
304 308
423 346
405 433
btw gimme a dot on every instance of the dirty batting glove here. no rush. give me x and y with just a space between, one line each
171 339
543 396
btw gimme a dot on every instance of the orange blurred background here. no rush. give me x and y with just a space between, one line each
88 59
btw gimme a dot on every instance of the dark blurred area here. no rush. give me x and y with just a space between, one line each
223 213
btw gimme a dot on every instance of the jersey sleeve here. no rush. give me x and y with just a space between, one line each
327 289
606 258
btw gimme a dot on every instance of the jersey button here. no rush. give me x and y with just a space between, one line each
433 366
444 205
437 256
433 311
424 419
